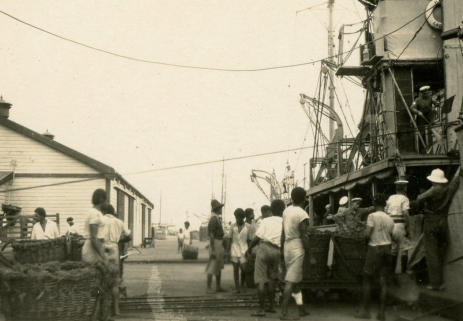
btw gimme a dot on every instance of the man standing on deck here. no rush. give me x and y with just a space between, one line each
294 244
435 225
397 207
216 249
378 259
422 108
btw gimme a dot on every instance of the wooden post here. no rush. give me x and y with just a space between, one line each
311 211
339 152
331 198
349 195
311 173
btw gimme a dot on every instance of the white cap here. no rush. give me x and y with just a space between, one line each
425 88
437 176
401 181
357 199
343 201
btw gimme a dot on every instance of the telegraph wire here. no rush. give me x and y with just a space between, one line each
155 62
194 164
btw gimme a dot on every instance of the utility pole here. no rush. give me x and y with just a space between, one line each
222 199
331 60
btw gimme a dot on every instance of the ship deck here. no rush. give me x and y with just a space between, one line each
381 170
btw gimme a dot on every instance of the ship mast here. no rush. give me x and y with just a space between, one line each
331 60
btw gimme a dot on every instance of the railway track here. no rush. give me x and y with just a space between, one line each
187 303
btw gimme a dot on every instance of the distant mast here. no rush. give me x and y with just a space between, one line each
160 207
331 60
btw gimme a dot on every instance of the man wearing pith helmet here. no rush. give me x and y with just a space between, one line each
216 249
434 227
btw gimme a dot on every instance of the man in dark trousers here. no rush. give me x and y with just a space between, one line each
216 249
379 259
435 224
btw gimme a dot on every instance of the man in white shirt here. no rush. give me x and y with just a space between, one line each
44 229
397 207
268 235
72 230
378 259
295 229
187 234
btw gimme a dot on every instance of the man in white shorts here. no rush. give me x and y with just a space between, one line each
295 226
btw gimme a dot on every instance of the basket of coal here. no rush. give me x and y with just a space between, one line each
51 291
76 244
316 257
39 251
349 257
190 252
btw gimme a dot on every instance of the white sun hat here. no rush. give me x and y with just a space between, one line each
343 201
437 176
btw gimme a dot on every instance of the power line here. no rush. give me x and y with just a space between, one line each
49 185
112 53
357 141
194 164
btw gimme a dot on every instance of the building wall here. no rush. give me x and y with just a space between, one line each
31 156
128 193
66 199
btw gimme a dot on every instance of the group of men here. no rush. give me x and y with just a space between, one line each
386 225
281 241
278 238
44 228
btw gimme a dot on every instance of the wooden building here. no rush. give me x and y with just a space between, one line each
37 171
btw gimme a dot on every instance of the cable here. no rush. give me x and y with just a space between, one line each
357 140
340 106
48 185
263 154
348 103
311 62
411 40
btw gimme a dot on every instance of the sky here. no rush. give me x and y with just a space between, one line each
136 116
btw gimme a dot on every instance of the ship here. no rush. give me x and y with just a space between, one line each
407 45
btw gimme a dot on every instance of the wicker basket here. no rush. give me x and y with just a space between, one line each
53 291
190 252
76 249
316 257
39 251
349 257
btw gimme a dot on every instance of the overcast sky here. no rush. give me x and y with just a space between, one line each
137 116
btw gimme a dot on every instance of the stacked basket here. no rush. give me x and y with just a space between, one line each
39 251
43 286
49 291
315 262
349 257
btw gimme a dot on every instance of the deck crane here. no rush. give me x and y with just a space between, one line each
270 178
